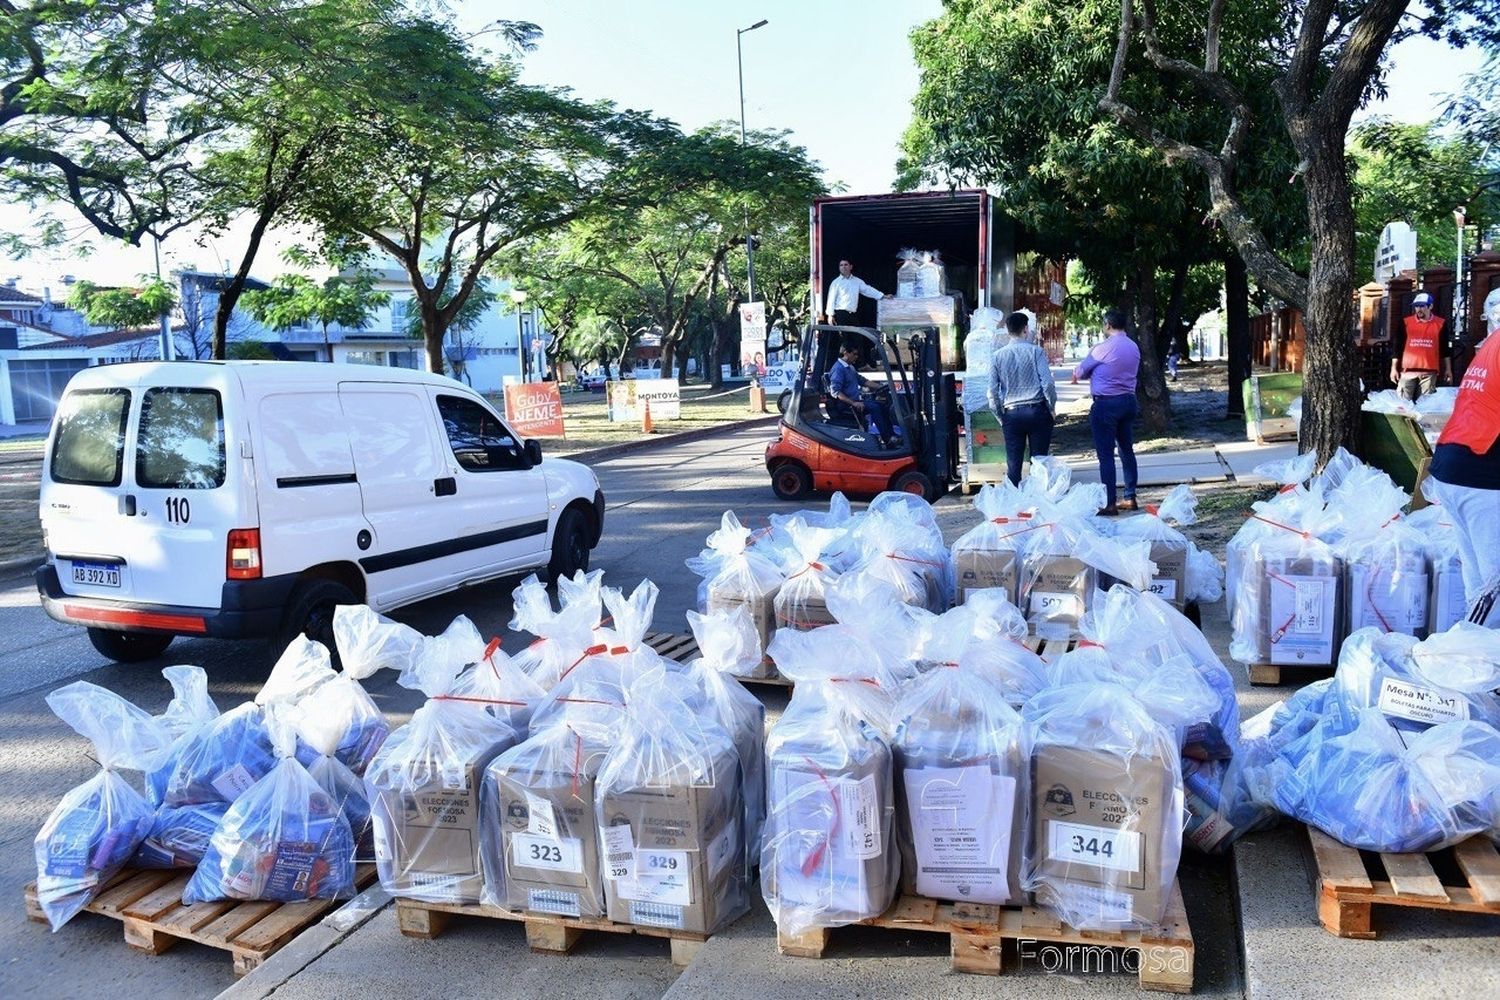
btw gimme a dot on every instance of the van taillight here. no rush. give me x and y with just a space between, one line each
243 559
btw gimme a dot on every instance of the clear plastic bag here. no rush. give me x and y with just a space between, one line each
1385 561
1169 547
827 856
801 603
563 635
424 783
987 556
1448 604
1107 815
540 837
727 642
1464 658
877 626
1205 576
734 575
897 551
669 809
96 827
285 839
369 642
190 708
1060 572
839 549
222 758
178 837
962 781
942 639
1379 790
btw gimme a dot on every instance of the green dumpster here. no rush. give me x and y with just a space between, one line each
1267 398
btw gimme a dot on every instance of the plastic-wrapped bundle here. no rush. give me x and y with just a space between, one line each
1107 811
1141 626
1385 562
563 635
942 639
423 788
1379 790
1205 576
179 835
667 802
874 624
1464 660
190 709
222 759
1060 573
826 855
801 602
541 840
285 839
839 548
727 644
895 554
733 575
1286 582
96 826
369 642
987 556
1017 672
1169 546
962 770
1447 603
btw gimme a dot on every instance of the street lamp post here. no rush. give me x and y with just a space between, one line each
739 55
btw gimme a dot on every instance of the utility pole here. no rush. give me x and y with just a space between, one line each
739 54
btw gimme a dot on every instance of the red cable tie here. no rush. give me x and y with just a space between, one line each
1088 644
591 651
1284 527
924 562
479 701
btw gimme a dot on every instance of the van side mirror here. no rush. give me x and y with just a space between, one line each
534 452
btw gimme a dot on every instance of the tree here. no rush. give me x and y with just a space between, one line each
123 308
1325 57
349 300
195 337
461 331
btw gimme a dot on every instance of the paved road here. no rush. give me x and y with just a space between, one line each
661 505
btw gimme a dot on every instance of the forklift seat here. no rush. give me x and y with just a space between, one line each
837 411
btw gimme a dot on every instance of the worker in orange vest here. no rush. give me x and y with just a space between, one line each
1420 351
1465 473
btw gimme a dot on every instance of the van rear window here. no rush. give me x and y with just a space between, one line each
90 437
180 444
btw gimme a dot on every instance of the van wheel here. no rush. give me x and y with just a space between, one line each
309 612
570 546
791 481
129 647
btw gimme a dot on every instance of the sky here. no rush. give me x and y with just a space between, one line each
839 75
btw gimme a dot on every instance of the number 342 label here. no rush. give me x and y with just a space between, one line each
1101 847
560 855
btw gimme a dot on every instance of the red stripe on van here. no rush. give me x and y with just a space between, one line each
144 619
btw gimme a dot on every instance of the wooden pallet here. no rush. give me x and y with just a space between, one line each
1049 649
683 648
1349 882
1271 673
544 934
148 903
977 932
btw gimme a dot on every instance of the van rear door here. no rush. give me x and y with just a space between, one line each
177 497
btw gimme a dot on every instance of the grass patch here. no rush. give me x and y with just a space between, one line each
587 426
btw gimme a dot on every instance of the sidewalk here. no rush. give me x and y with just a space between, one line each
1227 462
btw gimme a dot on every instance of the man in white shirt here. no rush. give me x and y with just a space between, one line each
843 296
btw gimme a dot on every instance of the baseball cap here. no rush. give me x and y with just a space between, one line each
1422 299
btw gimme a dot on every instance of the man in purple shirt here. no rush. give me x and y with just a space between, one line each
1111 369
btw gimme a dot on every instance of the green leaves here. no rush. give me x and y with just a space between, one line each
123 308
349 300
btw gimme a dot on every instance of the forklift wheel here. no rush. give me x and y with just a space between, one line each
913 481
791 481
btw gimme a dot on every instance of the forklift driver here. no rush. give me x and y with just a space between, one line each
848 387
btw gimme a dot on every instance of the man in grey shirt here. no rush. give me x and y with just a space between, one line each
1022 394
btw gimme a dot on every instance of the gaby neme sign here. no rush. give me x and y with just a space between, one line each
1396 251
534 409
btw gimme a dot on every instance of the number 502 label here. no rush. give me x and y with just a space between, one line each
1101 847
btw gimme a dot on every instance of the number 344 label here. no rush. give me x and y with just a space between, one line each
1101 847
560 855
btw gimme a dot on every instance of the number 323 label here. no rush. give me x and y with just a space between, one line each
1101 847
532 851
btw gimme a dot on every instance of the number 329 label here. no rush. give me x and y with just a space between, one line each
1101 847
561 855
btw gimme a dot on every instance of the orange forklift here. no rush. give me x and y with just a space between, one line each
824 446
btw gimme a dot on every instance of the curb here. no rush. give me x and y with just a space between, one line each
646 444
11 566
309 946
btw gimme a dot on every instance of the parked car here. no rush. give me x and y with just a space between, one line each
247 499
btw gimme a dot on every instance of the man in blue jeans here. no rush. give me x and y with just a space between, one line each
1111 369
848 387
1022 395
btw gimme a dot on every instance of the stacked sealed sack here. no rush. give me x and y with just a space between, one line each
987 556
1386 583
1447 603
896 552
669 811
96 827
1064 559
285 839
1184 573
734 575
424 783
941 639
179 834
801 603
562 635
827 856
962 787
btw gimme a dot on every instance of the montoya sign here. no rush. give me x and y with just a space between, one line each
625 398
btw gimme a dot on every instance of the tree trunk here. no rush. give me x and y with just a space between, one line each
716 342
230 295
1151 381
668 356
432 334
1237 331
1331 399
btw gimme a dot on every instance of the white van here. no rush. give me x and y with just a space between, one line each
248 498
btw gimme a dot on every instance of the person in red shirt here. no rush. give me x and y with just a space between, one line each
1420 350
1464 476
